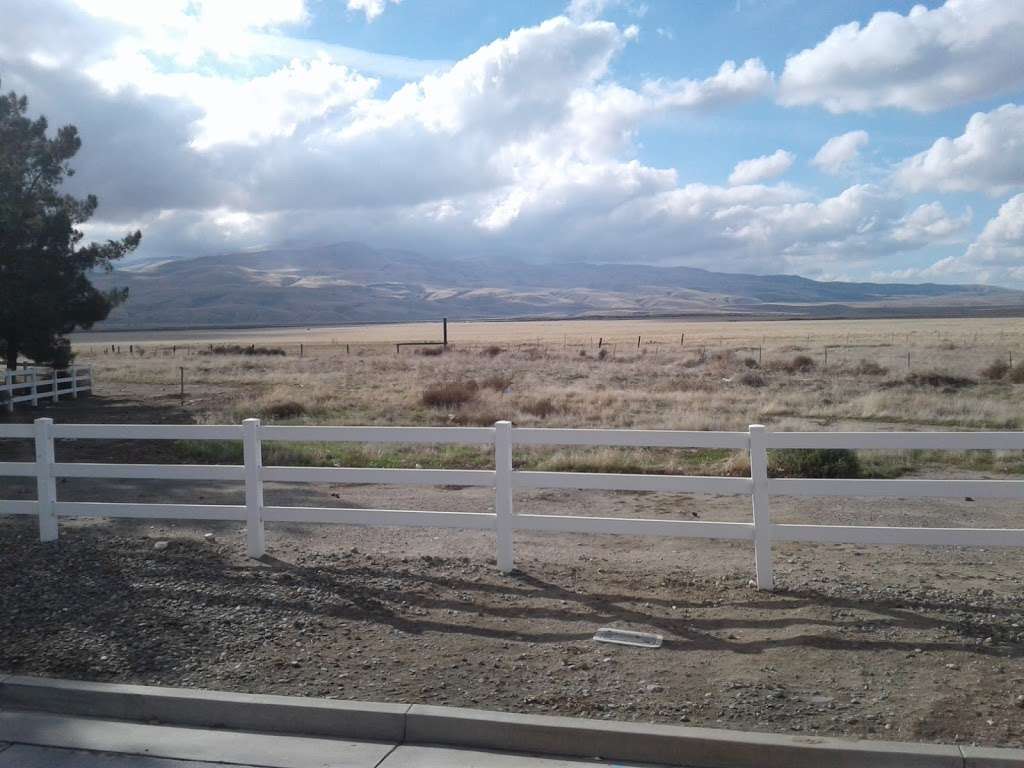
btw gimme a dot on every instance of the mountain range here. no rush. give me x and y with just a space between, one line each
355 283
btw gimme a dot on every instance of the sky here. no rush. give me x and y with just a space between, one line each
847 140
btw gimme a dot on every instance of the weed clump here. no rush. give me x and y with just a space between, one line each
817 462
493 351
450 394
870 368
1016 375
939 380
602 354
499 382
282 409
541 407
996 370
431 351
752 379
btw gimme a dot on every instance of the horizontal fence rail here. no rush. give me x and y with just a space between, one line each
505 480
31 385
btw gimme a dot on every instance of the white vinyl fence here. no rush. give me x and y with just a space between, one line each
30 385
505 480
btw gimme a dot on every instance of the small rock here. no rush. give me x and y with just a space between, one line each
161 545
209 536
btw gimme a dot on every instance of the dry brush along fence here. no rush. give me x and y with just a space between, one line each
505 480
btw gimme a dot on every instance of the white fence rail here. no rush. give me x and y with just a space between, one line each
30 385
505 480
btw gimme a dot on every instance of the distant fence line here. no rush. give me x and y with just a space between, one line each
505 480
32 384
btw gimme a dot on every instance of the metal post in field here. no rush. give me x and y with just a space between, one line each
252 453
181 371
444 330
300 350
503 493
760 507
638 342
46 485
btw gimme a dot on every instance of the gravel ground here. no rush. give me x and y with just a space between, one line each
356 620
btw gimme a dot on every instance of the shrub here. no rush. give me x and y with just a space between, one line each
282 409
499 382
752 379
1016 374
431 351
602 354
541 407
583 353
450 394
817 462
870 368
800 364
493 351
939 380
750 362
996 370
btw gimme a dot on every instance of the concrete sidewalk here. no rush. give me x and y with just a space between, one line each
133 726
39 740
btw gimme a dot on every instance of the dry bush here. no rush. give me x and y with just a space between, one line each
602 354
939 380
431 351
870 368
752 379
996 370
450 394
492 351
283 409
1016 374
499 382
799 364
750 362
541 407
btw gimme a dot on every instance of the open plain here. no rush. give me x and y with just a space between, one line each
886 642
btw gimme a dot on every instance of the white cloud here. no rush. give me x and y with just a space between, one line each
987 157
839 152
527 145
928 60
762 168
370 8
996 256
930 224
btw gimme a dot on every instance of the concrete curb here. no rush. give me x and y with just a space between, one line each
208 709
500 731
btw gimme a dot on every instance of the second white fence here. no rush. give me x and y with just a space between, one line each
30 385
505 480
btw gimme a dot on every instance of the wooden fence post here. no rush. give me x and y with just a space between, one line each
252 453
503 493
46 485
761 507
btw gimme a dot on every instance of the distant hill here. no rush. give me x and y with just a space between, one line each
354 283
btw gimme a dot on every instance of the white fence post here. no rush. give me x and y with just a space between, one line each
252 452
74 383
9 387
35 387
503 493
46 485
56 385
761 507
